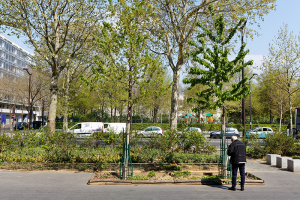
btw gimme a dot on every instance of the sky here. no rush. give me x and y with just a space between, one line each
287 12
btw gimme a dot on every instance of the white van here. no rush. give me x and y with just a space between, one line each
86 128
116 127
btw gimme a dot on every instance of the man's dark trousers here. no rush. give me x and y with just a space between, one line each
235 168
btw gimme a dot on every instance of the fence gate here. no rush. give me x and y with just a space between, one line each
224 163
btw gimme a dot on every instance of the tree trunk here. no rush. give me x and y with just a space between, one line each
280 117
155 114
115 113
128 123
121 112
291 114
53 103
224 161
271 117
111 114
174 98
102 111
66 101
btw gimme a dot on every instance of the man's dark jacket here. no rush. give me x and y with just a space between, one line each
237 151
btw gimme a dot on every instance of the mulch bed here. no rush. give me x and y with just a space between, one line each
166 178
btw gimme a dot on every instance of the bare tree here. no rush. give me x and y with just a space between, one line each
283 63
56 29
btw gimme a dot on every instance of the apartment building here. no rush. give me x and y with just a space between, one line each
13 59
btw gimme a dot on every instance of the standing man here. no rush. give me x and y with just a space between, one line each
237 151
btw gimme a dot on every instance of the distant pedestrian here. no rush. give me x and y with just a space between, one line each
237 151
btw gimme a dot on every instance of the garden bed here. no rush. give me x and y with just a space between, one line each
167 178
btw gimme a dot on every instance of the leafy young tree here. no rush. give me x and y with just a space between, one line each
127 58
55 29
284 63
124 45
174 24
219 70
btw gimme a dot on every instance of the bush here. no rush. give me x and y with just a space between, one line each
59 125
197 142
143 155
279 143
191 158
276 143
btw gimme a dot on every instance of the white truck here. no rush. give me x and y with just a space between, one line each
86 128
115 127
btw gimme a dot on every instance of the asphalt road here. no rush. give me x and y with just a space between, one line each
73 186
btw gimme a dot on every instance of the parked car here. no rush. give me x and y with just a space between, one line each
260 132
188 129
229 133
147 132
21 126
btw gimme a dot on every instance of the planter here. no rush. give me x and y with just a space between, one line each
96 181
293 165
271 159
281 162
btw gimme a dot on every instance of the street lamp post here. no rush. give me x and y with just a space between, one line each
250 99
29 106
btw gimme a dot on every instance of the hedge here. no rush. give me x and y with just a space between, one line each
204 127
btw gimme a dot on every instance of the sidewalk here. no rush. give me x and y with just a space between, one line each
254 165
56 185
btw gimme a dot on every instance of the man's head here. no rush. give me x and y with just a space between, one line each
233 138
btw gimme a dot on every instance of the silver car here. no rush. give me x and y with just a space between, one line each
229 133
151 130
188 129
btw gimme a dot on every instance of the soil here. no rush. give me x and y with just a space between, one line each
161 176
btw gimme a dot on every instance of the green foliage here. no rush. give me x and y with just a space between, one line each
172 167
219 70
185 174
170 141
197 142
280 143
59 125
277 143
191 158
145 155
6 142
210 177
139 177
151 174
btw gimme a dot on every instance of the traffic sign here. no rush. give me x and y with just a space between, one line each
13 116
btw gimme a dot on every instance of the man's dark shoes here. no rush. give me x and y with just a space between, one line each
231 188
242 189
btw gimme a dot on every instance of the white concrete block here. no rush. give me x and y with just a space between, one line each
271 159
293 165
281 162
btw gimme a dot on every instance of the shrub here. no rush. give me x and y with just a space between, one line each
151 174
190 158
279 143
197 142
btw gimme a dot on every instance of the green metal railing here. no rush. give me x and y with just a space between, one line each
224 162
126 167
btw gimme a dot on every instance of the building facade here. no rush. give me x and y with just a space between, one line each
13 59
